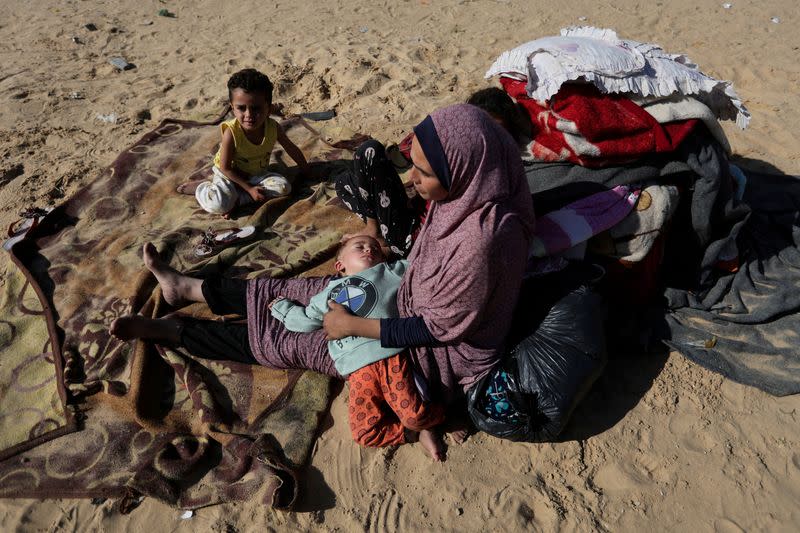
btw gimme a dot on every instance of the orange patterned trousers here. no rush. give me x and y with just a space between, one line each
384 401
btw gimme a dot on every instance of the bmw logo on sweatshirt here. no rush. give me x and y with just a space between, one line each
357 294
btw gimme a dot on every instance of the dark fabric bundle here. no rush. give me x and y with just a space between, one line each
562 351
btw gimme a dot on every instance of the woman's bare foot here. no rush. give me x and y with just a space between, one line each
459 435
433 444
457 425
139 327
457 429
176 288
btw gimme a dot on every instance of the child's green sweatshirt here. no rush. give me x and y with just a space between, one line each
372 293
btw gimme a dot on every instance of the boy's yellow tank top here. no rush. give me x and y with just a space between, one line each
249 158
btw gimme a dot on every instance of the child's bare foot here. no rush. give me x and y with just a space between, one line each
433 444
176 288
138 327
189 187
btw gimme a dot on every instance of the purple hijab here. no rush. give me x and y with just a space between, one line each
467 263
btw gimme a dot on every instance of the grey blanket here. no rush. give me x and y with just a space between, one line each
745 324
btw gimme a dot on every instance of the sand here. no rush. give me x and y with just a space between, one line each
659 444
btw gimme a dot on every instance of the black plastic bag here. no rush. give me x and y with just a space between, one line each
562 351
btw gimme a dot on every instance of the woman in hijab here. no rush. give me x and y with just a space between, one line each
466 265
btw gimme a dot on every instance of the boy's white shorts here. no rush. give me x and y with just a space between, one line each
220 195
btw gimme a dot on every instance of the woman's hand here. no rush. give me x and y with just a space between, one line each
337 322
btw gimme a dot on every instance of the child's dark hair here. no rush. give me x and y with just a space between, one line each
251 81
498 103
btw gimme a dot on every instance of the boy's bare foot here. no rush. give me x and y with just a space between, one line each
176 288
138 327
433 444
189 187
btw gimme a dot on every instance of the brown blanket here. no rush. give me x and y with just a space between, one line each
153 421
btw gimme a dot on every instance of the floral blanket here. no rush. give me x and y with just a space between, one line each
86 415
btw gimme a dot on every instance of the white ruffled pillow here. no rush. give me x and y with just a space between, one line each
614 65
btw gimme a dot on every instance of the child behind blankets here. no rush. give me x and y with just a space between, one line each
378 376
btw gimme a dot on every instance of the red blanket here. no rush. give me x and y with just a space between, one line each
586 127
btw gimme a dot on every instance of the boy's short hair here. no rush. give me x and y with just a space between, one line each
497 102
252 81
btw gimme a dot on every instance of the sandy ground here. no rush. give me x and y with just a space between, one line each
660 444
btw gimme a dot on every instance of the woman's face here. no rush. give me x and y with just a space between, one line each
425 181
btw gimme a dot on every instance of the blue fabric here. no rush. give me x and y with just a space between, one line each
495 402
431 146
404 332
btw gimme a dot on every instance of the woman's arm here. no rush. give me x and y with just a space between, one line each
405 332
392 332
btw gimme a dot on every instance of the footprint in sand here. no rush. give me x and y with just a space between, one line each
522 508
10 174
615 478
373 84
689 431
386 514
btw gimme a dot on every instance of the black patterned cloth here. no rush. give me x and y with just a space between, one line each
374 190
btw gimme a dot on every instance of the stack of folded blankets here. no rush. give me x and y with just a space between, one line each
626 144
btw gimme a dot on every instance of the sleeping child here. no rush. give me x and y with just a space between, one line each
379 377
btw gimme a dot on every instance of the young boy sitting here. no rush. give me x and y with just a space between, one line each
240 173
379 377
